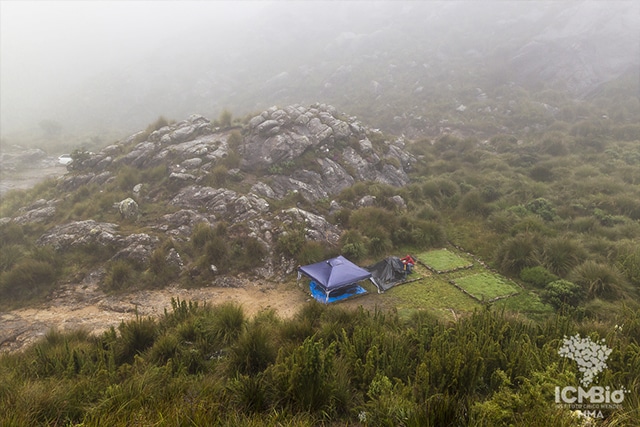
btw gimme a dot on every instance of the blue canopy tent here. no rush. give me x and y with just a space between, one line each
333 275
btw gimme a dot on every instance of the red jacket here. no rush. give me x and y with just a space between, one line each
408 260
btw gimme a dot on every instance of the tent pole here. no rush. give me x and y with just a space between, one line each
376 285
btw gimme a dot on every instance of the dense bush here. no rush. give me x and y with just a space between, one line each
121 275
343 367
537 276
27 279
562 292
599 280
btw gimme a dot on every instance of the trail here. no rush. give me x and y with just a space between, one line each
85 306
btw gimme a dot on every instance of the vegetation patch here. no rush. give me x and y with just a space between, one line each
443 261
324 366
486 286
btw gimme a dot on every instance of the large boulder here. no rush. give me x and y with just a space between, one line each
221 202
341 148
89 233
283 134
179 225
40 211
80 233
128 209
184 141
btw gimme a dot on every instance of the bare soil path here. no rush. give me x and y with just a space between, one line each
86 306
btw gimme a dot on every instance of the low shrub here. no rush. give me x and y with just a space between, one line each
160 271
253 352
27 279
537 276
599 280
121 274
562 292
135 337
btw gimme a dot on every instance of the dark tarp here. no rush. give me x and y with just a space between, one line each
334 273
387 273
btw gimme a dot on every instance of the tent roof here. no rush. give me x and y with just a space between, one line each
335 273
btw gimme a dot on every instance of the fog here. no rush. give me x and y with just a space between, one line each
52 51
114 66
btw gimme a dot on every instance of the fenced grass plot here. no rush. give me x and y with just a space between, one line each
486 286
443 260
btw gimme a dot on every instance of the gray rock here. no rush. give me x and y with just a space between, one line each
39 211
334 207
334 177
128 209
399 202
80 233
366 201
254 122
180 224
262 189
366 146
283 185
193 163
316 227
137 247
279 135
174 259
221 202
182 177
102 178
36 215
266 126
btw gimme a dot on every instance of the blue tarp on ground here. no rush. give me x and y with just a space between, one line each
319 294
334 274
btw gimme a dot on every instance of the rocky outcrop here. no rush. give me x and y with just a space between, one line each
316 227
280 135
80 233
221 202
189 144
88 234
137 247
315 151
337 150
40 211
312 153
179 225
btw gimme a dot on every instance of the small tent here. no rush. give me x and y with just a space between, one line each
387 273
335 276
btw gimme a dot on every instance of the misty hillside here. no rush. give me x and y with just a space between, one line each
217 146
400 65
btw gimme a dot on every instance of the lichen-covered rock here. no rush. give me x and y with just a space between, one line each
137 247
221 202
279 135
180 224
128 209
39 211
366 201
80 233
316 227
398 202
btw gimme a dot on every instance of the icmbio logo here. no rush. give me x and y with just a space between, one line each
591 358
